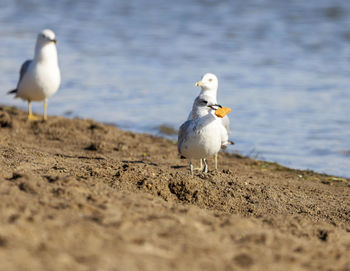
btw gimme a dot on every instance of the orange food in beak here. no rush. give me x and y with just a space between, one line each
222 112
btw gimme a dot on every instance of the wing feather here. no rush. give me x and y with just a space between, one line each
183 132
24 69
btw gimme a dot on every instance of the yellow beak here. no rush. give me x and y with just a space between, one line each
199 84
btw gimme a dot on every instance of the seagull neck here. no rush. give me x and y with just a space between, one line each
211 92
46 53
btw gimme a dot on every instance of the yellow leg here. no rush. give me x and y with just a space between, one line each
216 160
201 167
30 114
45 109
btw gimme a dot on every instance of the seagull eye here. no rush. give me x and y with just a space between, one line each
210 80
204 102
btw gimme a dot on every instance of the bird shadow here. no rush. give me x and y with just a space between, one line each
176 167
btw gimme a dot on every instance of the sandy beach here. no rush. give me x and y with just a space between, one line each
82 195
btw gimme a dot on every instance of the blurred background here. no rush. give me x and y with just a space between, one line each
283 68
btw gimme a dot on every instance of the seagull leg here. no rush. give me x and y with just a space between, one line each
205 169
191 167
216 161
45 109
200 168
30 114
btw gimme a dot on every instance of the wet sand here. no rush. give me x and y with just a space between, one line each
81 195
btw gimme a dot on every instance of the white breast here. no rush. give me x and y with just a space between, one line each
202 142
40 82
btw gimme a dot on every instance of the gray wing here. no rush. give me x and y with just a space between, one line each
189 115
24 69
183 134
22 72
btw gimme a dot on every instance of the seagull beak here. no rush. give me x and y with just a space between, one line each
212 106
199 84
54 41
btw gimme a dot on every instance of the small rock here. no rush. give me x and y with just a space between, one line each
96 146
5 120
227 171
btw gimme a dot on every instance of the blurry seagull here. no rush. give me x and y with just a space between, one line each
200 136
209 88
40 77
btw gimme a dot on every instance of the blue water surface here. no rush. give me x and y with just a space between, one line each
283 68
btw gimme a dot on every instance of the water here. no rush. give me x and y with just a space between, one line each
283 68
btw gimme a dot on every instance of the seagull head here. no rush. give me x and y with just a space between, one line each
204 105
209 82
45 37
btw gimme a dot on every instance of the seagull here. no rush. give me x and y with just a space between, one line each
39 78
209 88
200 136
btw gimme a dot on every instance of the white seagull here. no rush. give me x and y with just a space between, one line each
200 136
40 77
209 88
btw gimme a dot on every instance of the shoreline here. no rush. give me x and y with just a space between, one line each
169 132
80 194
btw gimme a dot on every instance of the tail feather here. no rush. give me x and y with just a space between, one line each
14 91
229 142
